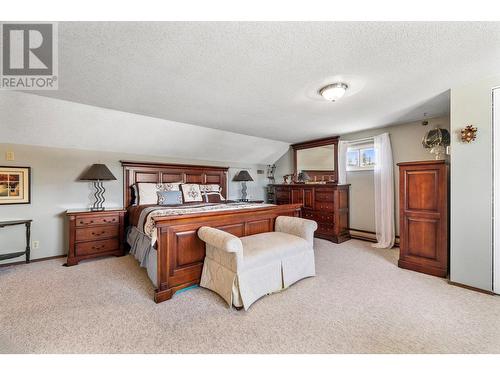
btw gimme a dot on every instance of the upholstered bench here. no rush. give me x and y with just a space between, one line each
241 270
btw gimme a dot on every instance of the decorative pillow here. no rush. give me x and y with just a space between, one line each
191 193
146 191
170 186
171 197
210 188
213 197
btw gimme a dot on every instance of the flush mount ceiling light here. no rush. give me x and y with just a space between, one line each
333 92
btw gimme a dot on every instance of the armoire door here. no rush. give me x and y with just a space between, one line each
423 217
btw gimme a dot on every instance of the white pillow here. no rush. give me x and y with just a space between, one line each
210 188
147 191
191 193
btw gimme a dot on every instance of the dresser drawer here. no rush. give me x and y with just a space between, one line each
324 218
319 217
324 196
325 206
95 247
282 195
96 233
97 220
308 215
325 228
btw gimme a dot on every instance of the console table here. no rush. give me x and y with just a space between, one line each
27 223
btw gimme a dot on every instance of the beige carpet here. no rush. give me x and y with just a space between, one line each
359 302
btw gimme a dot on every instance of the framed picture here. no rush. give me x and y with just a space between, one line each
15 185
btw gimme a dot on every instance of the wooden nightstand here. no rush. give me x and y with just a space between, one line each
94 234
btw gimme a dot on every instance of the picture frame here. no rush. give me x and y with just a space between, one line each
15 185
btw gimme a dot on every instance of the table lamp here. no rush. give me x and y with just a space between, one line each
243 177
98 173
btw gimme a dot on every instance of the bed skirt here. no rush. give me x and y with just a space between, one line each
141 249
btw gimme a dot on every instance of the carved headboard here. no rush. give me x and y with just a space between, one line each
134 172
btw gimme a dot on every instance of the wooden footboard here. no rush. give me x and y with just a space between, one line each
181 253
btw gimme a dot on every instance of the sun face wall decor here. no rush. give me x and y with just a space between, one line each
468 134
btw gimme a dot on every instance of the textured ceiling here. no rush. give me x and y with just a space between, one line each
262 78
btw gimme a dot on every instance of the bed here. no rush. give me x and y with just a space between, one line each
164 238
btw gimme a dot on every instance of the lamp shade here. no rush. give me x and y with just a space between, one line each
243 176
97 172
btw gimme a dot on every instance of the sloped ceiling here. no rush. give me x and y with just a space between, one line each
35 120
262 78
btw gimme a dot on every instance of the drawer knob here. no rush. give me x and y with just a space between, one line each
97 247
98 234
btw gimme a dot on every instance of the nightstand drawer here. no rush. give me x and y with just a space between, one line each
96 233
97 220
95 247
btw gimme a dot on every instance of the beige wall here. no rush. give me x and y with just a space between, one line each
55 188
406 146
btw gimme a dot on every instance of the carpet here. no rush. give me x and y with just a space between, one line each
359 302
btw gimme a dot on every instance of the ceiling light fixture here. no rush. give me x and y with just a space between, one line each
333 92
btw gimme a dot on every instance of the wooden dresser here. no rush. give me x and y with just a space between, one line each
327 204
95 233
423 202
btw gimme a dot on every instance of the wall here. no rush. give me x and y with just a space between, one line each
406 146
471 185
55 188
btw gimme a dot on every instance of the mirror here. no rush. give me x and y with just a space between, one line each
318 159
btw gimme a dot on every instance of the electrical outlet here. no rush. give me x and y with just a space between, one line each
36 244
9 156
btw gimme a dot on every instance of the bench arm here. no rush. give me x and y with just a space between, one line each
220 240
296 226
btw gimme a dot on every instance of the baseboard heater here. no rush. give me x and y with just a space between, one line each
365 235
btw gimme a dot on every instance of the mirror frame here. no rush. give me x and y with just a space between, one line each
316 143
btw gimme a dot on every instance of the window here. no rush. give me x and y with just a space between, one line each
360 156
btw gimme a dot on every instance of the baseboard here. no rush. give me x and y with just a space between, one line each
473 288
366 235
32 260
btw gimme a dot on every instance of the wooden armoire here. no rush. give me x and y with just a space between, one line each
423 212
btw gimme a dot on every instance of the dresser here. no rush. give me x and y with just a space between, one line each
423 202
94 234
327 204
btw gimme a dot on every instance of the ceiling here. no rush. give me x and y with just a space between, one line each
262 78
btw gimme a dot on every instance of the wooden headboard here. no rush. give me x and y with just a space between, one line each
134 172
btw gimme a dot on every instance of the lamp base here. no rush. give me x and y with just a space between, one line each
99 196
243 192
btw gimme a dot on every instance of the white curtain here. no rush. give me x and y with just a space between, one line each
384 191
342 162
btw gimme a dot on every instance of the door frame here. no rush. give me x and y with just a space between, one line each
495 109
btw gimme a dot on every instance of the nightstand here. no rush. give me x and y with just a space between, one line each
94 234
